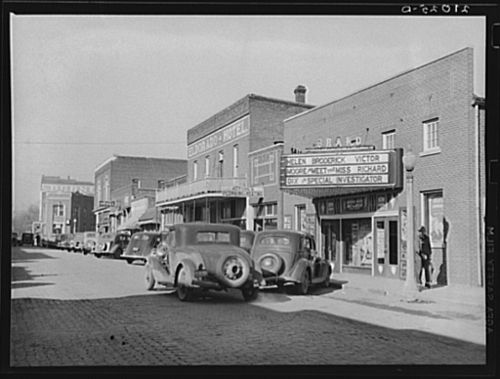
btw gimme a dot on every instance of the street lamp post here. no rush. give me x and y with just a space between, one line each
410 286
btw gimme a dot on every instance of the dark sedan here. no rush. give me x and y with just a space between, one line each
141 244
290 258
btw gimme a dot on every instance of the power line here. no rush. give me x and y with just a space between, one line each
98 143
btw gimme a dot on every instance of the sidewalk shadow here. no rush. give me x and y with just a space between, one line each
19 255
25 285
20 274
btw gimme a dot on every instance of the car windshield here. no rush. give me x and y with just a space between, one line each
122 237
274 241
212 237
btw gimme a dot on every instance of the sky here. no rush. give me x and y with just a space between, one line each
87 87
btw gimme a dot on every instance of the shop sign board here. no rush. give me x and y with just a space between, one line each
257 191
222 136
104 203
343 169
264 168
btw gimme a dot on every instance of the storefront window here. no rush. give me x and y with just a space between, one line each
358 238
300 217
433 204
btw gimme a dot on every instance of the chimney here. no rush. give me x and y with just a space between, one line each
300 94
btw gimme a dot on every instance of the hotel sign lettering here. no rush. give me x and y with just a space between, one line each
220 137
346 169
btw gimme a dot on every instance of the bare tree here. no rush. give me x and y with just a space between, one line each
23 220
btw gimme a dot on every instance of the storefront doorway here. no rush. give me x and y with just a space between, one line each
330 234
357 237
386 245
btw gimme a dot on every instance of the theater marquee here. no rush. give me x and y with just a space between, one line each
352 171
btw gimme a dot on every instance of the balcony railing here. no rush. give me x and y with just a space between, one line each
204 186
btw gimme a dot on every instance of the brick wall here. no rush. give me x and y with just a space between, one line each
266 117
218 120
443 89
122 170
81 209
266 126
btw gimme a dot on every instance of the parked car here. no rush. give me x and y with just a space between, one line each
27 239
141 244
246 239
103 244
89 242
51 244
289 258
113 244
76 243
64 240
202 257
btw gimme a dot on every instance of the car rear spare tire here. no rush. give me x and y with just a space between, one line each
233 271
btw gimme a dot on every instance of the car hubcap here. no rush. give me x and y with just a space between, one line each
233 269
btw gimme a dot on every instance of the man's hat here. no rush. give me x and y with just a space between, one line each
421 229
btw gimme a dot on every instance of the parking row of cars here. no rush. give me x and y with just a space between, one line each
198 257
82 242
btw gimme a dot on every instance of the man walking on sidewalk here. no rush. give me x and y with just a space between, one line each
425 252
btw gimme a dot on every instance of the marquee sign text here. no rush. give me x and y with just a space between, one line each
337 169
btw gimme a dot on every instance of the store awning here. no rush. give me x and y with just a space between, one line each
150 216
132 222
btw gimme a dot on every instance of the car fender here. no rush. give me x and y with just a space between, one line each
190 268
298 269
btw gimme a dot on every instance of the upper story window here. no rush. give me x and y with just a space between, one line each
106 188
431 135
389 139
58 210
235 160
271 209
195 170
98 190
207 165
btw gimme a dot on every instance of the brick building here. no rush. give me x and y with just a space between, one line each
57 197
217 188
357 208
121 180
81 215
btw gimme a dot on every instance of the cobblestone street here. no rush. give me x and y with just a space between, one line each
139 328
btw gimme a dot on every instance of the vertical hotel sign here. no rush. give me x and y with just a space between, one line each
220 137
343 169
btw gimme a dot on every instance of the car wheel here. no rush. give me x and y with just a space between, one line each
184 293
117 253
129 261
97 255
249 293
149 279
303 286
